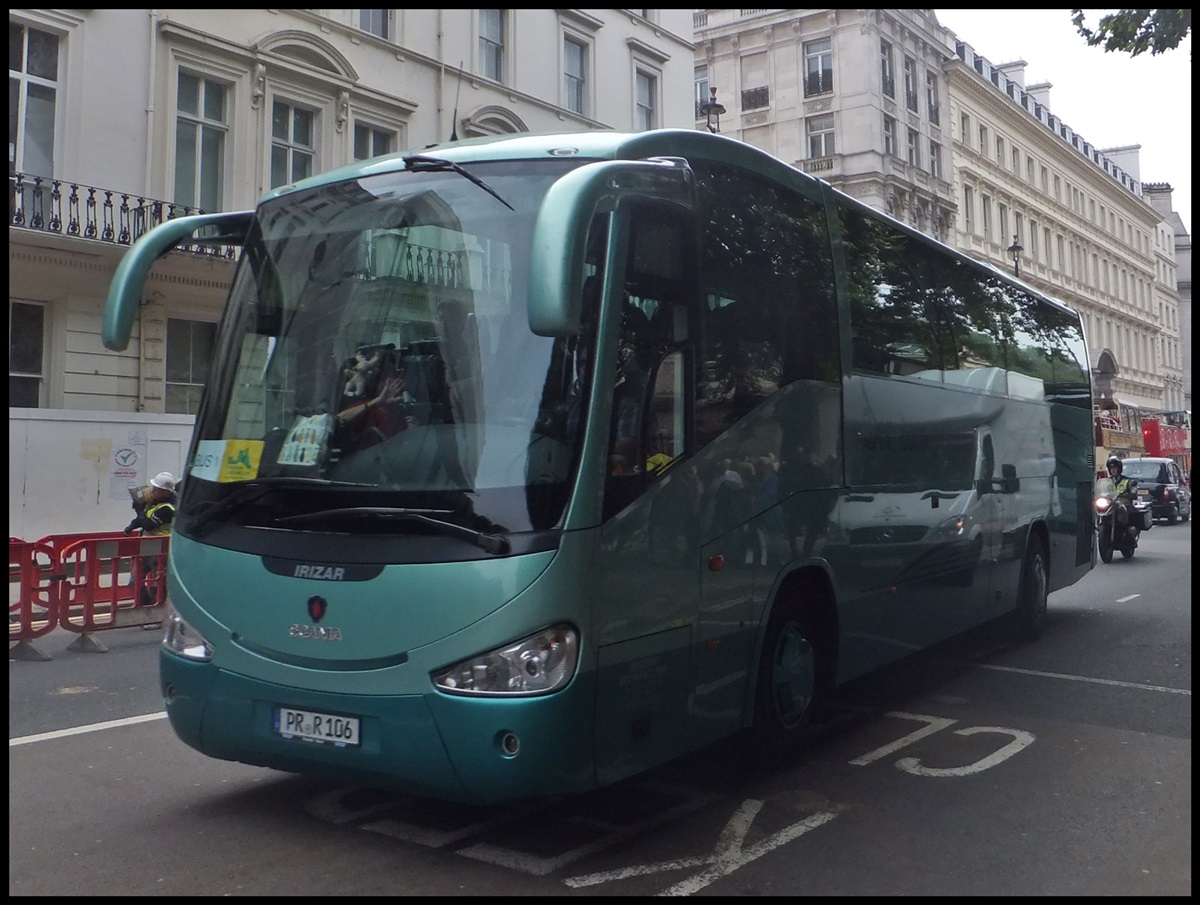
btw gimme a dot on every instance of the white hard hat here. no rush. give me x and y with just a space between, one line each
164 480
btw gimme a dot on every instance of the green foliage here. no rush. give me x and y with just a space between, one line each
1137 30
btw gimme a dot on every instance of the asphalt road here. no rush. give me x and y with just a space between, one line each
1061 767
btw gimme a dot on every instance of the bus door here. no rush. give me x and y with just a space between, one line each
647 551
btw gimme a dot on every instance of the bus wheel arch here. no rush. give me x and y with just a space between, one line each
797 662
1034 588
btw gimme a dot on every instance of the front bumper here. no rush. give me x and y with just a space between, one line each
433 744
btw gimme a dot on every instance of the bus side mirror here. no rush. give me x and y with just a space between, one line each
125 291
556 258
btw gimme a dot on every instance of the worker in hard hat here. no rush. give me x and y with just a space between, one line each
154 519
155 515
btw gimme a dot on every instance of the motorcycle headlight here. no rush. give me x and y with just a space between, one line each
1103 504
538 664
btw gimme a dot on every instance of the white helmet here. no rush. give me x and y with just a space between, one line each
164 480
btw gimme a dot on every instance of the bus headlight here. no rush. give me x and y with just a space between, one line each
180 638
538 664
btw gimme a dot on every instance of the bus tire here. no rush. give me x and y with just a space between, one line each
1034 590
790 684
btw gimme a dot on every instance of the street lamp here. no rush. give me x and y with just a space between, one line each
1015 251
709 107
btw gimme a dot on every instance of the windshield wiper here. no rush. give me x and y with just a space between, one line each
492 543
423 162
249 491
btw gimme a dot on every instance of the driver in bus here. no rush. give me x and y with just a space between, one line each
376 404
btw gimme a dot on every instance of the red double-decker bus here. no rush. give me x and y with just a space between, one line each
1167 440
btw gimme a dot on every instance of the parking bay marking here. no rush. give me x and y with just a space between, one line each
727 856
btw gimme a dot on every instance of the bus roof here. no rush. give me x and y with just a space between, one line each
588 145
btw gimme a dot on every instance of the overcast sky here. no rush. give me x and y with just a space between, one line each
1110 99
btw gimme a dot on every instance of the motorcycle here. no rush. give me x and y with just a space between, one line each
1110 534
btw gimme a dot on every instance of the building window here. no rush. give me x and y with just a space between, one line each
818 67
574 75
935 159
491 43
964 133
200 131
646 109
374 21
968 209
820 135
190 347
26 354
371 142
1003 217
999 151
1046 246
701 83
1017 222
292 143
986 215
914 148
931 97
1016 161
889 136
983 140
889 73
1045 180
1033 236
910 83
1029 169
32 96
1058 190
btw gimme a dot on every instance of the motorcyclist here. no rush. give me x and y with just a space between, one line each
1122 490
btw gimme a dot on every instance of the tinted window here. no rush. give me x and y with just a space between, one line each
768 307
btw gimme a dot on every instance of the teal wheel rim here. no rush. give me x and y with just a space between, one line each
793 676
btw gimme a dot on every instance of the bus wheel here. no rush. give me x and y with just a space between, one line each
789 679
1035 588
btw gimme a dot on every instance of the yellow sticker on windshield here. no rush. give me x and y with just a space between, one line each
241 460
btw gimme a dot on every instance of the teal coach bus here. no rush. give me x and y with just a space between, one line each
525 464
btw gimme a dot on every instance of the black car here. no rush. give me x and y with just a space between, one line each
1161 482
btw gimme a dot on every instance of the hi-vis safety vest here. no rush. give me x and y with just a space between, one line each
161 530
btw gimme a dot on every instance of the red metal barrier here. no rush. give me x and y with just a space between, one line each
32 596
84 583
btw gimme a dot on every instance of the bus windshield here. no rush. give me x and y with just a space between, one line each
376 358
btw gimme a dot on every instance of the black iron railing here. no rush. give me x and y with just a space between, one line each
818 82
753 98
87 212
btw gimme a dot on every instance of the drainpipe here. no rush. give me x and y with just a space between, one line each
441 53
152 83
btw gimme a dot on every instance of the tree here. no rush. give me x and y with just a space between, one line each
1137 30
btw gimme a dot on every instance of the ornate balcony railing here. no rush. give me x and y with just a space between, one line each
102 215
818 83
753 98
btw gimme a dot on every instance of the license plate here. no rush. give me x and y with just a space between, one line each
1143 493
322 728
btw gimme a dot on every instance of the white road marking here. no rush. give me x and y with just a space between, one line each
1020 740
1055 675
727 856
935 724
1128 597
539 866
80 730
